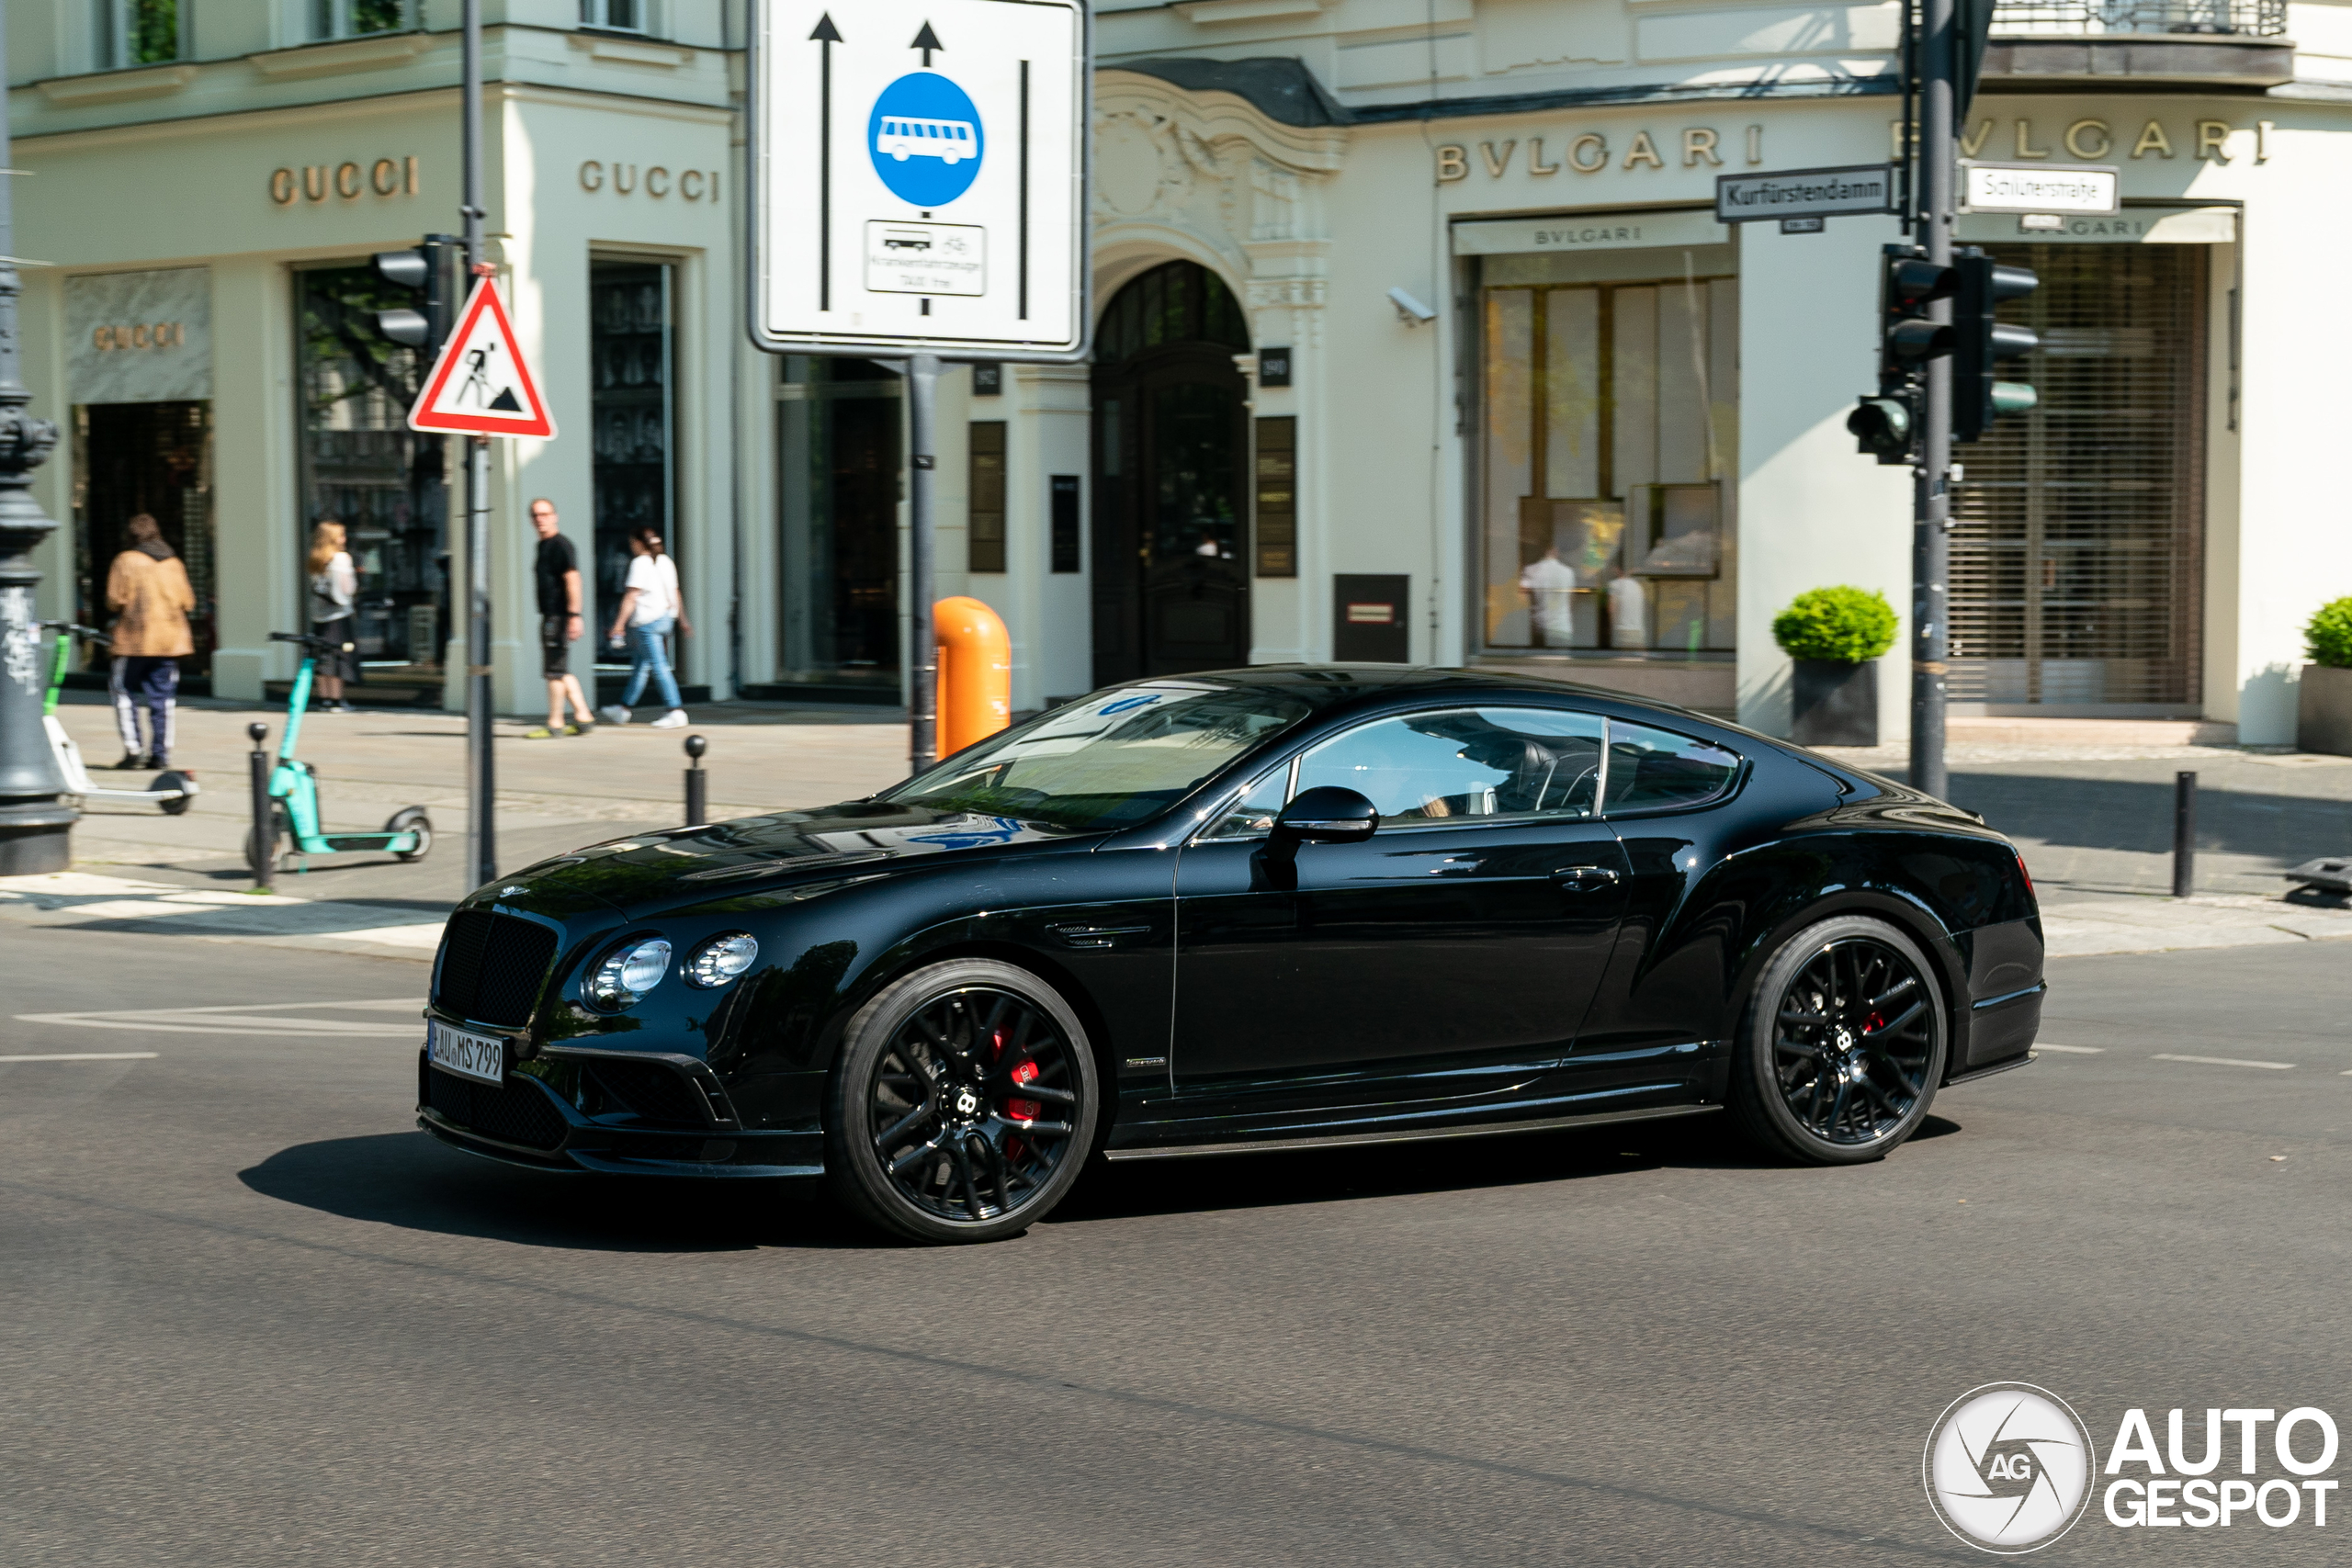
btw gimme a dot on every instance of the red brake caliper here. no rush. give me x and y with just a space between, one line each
1017 1109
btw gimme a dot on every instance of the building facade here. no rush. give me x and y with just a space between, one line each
1416 339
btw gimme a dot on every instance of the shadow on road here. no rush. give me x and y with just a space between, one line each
2136 815
1456 1164
409 1180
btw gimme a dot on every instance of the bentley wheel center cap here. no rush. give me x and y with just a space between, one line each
966 1102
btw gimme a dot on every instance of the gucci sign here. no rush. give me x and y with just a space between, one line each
627 179
344 182
158 334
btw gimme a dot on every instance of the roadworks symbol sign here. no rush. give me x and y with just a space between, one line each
481 385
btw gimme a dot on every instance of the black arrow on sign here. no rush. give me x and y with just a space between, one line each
827 35
927 40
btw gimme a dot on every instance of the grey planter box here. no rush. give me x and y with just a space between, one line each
2323 711
1835 704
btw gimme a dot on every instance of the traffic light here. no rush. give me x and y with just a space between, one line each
423 271
1907 339
1886 425
1882 426
1977 400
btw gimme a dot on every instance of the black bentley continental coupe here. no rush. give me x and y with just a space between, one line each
1287 908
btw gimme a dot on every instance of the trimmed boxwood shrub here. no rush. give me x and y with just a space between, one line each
2327 636
1844 625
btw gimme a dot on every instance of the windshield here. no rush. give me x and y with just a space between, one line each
1120 756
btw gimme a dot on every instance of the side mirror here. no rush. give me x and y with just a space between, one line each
1327 815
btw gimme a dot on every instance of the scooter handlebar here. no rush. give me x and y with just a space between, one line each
324 645
76 628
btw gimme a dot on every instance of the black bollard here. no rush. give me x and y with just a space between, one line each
2184 834
261 851
697 792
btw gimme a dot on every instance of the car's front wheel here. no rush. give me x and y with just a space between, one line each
964 1103
1842 1045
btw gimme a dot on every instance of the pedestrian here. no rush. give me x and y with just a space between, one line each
558 570
334 584
651 604
147 590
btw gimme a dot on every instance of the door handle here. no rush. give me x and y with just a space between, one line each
1584 878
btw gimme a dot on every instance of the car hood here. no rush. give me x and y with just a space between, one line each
689 865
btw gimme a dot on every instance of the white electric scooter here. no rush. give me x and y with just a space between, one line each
172 791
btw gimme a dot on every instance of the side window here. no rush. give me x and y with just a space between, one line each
1253 814
1650 769
1467 762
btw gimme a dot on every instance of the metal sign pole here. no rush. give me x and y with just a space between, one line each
922 651
1931 491
482 833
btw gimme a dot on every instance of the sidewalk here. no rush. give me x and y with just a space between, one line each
553 795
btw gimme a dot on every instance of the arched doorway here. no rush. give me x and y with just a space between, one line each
1171 456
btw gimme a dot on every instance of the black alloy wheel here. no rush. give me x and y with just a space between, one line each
964 1104
1843 1046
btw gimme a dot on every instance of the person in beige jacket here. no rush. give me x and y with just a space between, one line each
148 590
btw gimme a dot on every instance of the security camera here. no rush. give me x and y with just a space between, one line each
1409 310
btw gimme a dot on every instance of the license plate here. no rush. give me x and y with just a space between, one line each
476 1056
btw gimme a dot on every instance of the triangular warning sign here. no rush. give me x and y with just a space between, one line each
481 385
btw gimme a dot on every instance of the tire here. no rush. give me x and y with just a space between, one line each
410 818
1808 1080
929 1131
173 780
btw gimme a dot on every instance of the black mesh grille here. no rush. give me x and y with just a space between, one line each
491 966
511 1113
653 1089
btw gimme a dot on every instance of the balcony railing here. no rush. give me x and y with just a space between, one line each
2078 18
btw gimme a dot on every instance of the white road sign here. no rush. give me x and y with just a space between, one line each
919 177
2040 187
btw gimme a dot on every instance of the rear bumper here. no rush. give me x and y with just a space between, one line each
524 1122
2001 1029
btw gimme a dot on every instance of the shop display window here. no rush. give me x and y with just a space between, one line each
840 469
361 466
1609 419
633 417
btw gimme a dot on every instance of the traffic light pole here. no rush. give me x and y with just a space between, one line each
1931 488
482 781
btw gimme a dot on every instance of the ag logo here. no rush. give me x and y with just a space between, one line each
926 139
2008 1466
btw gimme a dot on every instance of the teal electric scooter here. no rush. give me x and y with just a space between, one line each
294 786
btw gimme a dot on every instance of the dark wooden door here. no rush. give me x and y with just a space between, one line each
1171 476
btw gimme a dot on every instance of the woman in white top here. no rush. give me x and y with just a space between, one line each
651 604
334 584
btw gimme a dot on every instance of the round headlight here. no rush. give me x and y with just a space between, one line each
628 973
722 958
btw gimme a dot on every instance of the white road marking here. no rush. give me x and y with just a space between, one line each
2222 1062
88 1057
2073 1049
248 1019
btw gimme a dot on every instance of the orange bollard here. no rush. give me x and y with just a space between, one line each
974 672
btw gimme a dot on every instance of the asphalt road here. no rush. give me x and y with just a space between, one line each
248 1315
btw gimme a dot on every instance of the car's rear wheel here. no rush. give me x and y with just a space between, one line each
1842 1046
964 1103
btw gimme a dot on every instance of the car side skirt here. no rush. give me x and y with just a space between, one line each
1403 1135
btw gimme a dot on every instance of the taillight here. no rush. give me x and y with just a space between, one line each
2021 870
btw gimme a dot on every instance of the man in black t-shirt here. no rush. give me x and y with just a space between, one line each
558 571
